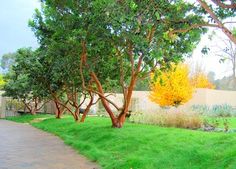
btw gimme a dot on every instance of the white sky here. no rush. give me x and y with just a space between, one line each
210 62
14 30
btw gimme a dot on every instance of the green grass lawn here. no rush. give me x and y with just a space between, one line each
28 118
139 146
231 121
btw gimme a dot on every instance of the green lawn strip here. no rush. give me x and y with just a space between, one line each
28 118
231 121
141 146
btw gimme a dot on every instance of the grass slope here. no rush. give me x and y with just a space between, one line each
139 146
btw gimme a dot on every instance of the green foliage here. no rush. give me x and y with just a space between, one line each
143 85
111 25
2 81
201 109
21 80
223 110
14 105
141 146
118 41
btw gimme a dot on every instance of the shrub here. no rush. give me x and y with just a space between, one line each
169 118
223 110
200 80
172 87
14 105
201 109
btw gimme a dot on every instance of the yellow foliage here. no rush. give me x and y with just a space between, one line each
200 80
2 81
172 87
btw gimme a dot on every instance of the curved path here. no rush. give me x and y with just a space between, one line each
25 147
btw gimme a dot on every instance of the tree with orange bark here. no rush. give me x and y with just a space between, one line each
172 87
115 44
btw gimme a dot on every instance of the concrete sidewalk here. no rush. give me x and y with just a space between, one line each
25 147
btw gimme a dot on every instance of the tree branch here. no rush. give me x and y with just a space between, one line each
222 5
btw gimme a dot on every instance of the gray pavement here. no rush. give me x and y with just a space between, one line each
25 147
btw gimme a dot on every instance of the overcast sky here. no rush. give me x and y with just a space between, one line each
14 30
15 33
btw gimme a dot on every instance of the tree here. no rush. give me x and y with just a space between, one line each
21 84
211 77
228 54
58 53
215 11
222 10
172 87
7 61
142 42
134 34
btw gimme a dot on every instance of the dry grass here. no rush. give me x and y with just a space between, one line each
170 118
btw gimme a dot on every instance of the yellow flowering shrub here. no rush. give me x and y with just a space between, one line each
172 87
199 80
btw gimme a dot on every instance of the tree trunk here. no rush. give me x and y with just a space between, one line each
103 100
58 110
234 70
33 111
87 109
27 106
76 114
122 116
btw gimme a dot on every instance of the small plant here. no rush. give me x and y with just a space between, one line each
210 125
226 125
216 124
201 109
223 110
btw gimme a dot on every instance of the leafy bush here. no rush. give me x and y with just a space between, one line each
14 105
201 109
168 118
200 80
223 110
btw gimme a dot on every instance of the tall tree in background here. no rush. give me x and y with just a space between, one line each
228 54
7 61
21 84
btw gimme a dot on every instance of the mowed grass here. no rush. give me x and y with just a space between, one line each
139 146
28 118
231 121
